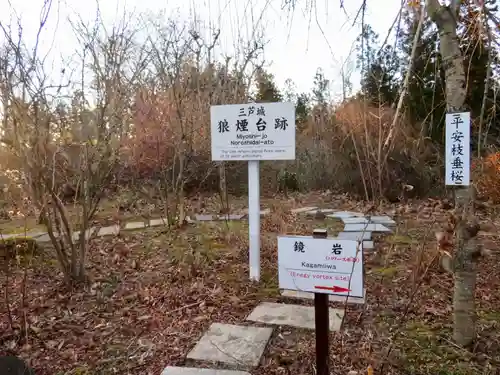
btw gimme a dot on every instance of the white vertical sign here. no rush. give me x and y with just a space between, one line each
253 132
457 144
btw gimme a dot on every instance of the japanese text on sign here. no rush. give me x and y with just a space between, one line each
264 131
320 265
457 149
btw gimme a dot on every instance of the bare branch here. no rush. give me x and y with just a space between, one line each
409 73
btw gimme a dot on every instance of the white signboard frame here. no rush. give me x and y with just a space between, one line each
326 265
253 132
457 146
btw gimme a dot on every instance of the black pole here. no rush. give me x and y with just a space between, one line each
322 322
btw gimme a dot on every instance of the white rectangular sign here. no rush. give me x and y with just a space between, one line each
253 131
457 149
315 265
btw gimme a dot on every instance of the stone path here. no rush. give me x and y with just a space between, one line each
114 230
356 225
199 371
241 346
297 294
292 315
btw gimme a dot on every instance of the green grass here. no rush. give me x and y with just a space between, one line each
422 347
107 211
397 239
20 226
386 271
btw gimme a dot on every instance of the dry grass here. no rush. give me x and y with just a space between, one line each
108 214
486 174
153 294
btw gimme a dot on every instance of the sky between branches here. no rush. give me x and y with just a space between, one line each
297 45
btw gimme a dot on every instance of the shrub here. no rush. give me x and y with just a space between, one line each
486 175
342 149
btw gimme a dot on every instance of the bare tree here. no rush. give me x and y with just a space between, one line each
170 101
236 92
466 228
98 120
173 109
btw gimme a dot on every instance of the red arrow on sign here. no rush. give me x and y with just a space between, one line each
335 289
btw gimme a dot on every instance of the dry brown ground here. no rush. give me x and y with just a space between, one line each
153 294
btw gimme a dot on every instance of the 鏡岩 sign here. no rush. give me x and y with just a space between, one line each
254 131
315 265
457 149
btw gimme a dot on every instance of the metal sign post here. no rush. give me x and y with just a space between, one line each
253 132
322 322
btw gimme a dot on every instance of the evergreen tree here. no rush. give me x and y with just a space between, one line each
475 47
425 100
289 94
366 47
267 91
301 101
302 108
320 90
425 97
379 68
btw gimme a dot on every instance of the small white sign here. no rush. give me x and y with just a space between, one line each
253 131
457 149
316 265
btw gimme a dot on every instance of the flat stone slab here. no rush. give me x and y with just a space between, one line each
367 245
38 235
135 225
158 222
322 210
43 238
112 230
355 236
204 217
232 344
385 220
264 212
75 237
366 227
33 235
355 220
302 210
292 315
171 370
307 295
231 217
342 214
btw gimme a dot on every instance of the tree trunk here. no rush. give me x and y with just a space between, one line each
464 268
